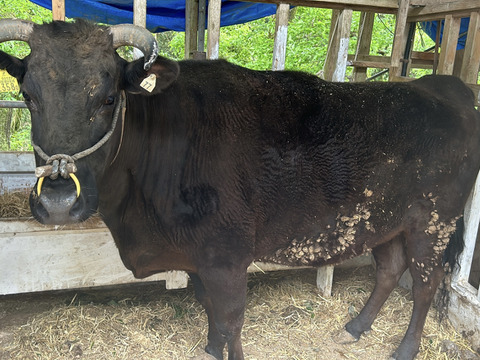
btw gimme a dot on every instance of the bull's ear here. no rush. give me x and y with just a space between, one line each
15 67
161 75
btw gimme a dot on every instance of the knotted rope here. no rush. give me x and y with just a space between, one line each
64 165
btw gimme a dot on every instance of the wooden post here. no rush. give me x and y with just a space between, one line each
58 10
325 280
281 29
202 16
213 28
333 24
336 61
437 47
191 27
140 13
139 19
365 30
448 48
334 70
471 218
407 55
471 57
399 39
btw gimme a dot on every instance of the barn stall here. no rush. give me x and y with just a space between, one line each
81 256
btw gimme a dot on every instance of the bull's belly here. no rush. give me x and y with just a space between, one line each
345 238
315 252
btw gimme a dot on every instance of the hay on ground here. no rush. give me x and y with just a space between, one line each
14 204
285 319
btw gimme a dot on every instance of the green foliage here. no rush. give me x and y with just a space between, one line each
307 41
20 139
249 44
14 129
21 9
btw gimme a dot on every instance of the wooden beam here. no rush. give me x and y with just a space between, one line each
58 10
379 6
191 27
365 30
336 61
471 57
213 28
281 30
448 48
399 39
419 60
428 10
369 64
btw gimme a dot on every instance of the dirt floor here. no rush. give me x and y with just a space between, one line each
286 318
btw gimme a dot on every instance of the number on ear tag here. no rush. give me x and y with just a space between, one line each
149 82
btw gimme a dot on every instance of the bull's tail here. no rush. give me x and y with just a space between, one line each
450 261
454 248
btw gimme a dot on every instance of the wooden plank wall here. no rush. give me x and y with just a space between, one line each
16 171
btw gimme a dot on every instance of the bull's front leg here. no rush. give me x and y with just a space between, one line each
222 291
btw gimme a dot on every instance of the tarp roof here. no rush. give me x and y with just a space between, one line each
431 29
162 15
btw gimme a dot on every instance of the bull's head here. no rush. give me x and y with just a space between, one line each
73 83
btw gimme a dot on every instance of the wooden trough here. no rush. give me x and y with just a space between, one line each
35 257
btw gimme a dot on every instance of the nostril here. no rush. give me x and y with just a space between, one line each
38 210
78 209
57 206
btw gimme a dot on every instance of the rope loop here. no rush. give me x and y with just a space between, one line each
63 164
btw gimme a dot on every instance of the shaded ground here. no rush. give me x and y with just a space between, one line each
286 318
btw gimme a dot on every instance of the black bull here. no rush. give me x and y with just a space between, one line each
219 166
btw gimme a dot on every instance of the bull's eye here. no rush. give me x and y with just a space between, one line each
26 97
29 102
109 100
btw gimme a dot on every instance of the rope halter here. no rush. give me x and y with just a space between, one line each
64 165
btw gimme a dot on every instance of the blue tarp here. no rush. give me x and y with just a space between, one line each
431 29
162 15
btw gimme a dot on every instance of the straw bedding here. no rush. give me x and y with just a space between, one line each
14 204
286 318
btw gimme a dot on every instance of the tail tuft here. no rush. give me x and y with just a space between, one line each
454 248
450 261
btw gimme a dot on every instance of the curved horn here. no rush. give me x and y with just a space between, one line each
15 29
127 34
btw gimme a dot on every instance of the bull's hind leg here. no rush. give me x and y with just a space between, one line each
391 264
426 268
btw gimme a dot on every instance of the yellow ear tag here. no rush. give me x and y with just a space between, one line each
149 82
